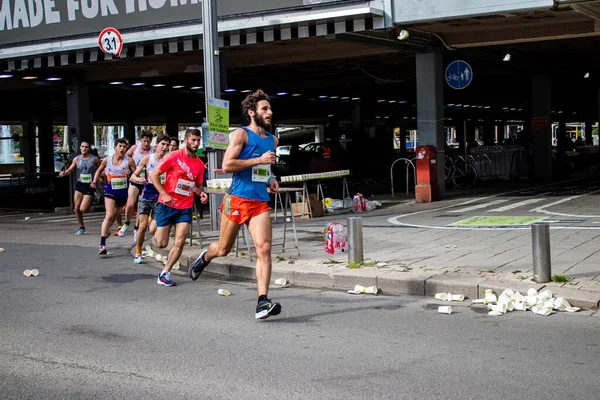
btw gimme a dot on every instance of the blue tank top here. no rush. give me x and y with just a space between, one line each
252 183
150 192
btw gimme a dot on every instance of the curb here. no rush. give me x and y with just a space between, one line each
394 282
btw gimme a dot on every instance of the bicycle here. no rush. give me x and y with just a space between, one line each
460 172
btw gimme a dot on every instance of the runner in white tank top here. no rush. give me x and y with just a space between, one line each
137 152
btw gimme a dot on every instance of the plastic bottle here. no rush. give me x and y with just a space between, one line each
205 137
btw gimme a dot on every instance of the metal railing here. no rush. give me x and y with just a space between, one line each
407 163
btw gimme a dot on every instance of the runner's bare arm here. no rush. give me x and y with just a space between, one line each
131 150
99 172
131 165
166 198
237 141
201 193
135 177
71 168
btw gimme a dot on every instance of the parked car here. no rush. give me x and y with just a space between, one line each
59 163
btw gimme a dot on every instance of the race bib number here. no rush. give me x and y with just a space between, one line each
118 183
261 173
85 178
184 187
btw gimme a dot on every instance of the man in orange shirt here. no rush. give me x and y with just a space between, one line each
184 175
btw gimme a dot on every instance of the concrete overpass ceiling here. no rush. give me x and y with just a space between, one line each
332 72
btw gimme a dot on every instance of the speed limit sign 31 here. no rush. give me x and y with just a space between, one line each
110 42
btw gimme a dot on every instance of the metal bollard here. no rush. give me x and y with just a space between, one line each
355 240
540 241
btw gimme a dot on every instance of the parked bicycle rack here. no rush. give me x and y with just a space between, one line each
407 162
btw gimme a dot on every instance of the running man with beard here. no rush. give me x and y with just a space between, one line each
137 153
185 173
117 169
250 154
85 166
149 197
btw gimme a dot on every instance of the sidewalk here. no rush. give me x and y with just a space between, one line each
405 261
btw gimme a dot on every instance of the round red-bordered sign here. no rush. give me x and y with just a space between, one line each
110 42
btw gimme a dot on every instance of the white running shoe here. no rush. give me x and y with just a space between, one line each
123 230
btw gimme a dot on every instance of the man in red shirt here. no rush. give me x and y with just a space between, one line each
185 172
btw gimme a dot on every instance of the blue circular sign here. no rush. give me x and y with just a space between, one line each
459 74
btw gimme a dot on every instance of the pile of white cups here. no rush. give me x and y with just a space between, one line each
542 303
219 183
318 175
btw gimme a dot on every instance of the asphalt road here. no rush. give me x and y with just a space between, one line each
101 328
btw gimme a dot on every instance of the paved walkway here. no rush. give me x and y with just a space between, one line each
422 249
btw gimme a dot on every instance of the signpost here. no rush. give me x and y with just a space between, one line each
110 41
218 124
212 83
459 74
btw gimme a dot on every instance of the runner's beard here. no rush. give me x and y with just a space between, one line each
260 121
191 149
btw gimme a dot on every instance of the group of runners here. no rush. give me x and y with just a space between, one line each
162 180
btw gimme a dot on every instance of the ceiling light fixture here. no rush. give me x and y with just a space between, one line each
138 84
54 79
345 98
158 85
116 83
4 76
246 91
356 98
323 97
281 93
178 87
230 90
587 75
196 87
296 95
30 77
507 57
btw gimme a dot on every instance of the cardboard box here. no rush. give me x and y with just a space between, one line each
316 206
297 210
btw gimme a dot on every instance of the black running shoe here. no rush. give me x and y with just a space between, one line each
266 308
196 268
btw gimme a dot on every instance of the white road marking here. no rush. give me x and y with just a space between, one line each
479 206
396 220
515 205
542 209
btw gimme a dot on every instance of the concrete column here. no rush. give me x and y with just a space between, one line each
356 126
79 118
430 106
588 132
46 144
402 136
488 131
172 127
129 132
541 112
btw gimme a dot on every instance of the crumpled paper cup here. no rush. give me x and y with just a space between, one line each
223 292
